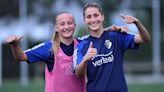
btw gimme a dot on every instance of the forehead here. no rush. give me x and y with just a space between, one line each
64 16
91 10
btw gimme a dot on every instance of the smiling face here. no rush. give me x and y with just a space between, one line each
93 18
65 25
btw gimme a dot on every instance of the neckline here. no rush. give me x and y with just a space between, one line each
92 37
60 49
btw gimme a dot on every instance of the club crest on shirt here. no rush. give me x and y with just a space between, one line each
108 44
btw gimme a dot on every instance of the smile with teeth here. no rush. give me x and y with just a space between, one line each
95 24
67 30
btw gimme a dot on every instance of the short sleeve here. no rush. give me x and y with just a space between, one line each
126 41
39 52
77 57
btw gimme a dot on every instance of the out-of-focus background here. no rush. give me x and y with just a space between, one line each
34 19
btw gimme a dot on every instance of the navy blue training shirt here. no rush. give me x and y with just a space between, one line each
105 71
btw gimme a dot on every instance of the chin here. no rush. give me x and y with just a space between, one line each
68 36
94 29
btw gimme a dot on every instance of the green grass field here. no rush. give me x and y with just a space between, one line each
38 86
14 86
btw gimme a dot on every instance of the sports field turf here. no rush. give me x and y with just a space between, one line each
38 86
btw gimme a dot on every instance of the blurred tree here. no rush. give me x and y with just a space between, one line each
108 7
162 29
9 8
143 9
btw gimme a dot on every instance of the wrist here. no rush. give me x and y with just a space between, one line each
14 44
85 60
136 21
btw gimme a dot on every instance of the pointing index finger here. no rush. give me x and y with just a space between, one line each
122 15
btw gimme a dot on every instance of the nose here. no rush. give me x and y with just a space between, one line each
93 20
66 26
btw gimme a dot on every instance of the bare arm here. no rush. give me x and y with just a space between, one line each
80 70
17 51
143 35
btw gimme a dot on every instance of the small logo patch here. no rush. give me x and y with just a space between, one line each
108 44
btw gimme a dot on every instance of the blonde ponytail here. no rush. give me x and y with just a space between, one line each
55 42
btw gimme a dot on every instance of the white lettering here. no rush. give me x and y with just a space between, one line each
104 60
65 65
